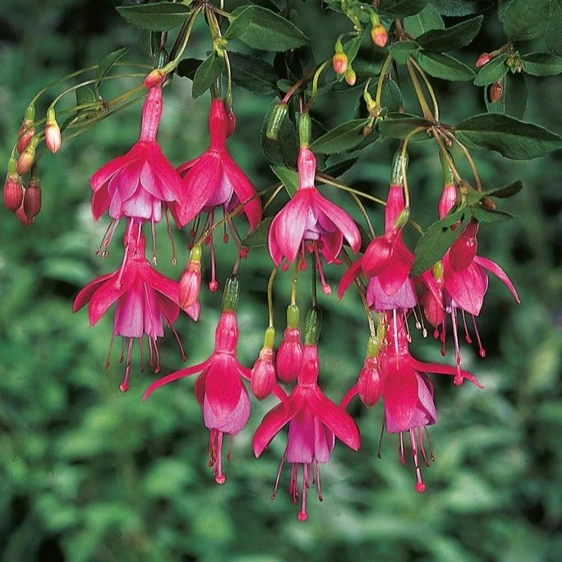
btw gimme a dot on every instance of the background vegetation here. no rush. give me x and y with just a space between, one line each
89 474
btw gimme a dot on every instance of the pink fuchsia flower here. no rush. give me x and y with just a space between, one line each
137 184
308 216
314 422
144 299
214 181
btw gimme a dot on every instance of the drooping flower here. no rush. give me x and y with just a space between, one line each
309 216
289 354
314 423
137 184
144 298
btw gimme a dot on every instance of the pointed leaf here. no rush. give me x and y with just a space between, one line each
426 20
510 137
402 50
462 7
155 17
401 8
343 137
513 100
482 214
188 67
492 71
400 125
258 236
206 74
524 20
253 74
541 64
289 178
339 168
509 190
391 96
443 66
107 64
454 37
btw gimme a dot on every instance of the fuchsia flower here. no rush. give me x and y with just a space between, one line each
144 299
459 281
308 216
314 422
136 184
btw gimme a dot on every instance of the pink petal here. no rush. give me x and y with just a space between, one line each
271 424
398 269
168 309
126 181
182 169
440 369
188 371
159 282
494 268
100 202
400 396
324 442
332 243
235 422
349 276
300 441
107 171
223 386
170 180
467 287
86 293
403 298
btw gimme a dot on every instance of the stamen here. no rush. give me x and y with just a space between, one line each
422 447
401 448
481 350
379 456
108 360
302 514
318 484
420 486
106 239
154 260
124 386
466 333
213 284
458 377
326 289
431 456
170 236
281 463
220 478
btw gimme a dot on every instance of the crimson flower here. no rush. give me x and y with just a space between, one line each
314 422
136 184
309 216
144 299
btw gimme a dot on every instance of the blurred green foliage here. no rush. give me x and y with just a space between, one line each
90 474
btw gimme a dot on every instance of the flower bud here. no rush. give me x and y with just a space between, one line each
276 120
22 217
304 130
154 78
27 130
350 76
32 197
370 383
462 252
496 91
449 197
488 203
190 282
13 190
230 123
483 59
53 138
263 374
339 63
312 326
231 294
379 35
290 355
27 157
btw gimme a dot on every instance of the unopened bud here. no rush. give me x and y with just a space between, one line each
190 282
230 123
370 383
263 374
483 59
290 356
379 35
27 130
53 138
312 326
22 217
496 91
154 78
350 76
13 190
367 130
276 120
339 63
304 130
32 197
488 203
231 294
27 157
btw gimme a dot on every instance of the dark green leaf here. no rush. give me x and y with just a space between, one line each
514 97
510 137
541 64
400 125
552 35
443 66
343 137
402 50
524 19
263 29
462 7
482 214
391 96
206 74
155 17
368 63
188 67
454 37
85 96
284 150
428 19
339 168
401 8
492 71
289 178
509 190
253 74
258 236
437 239
351 48
107 64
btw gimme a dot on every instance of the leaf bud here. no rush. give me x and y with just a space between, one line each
488 203
483 59
379 35
496 91
276 120
53 138
231 294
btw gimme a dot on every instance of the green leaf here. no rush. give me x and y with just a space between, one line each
552 35
482 214
524 19
289 178
209 70
506 191
514 97
462 7
541 64
263 29
443 66
368 63
188 67
86 95
155 17
391 96
401 8
491 72
454 37
351 48
340 168
253 74
343 137
428 19
510 137
285 149
400 125
402 50
107 64
437 239
258 236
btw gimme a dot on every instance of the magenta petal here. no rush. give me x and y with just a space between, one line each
168 309
223 386
244 190
398 269
159 282
107 171
494 268
171 182
87 292
188 371
235 422
440 369
343 222
336 419
331 247
182 169
105 296
349 277
400 396
467 287
100 202
324 441
271 424
300 441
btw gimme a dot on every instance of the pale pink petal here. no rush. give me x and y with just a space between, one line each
300 442
129 320
343 222
403 298
232 424
324 441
